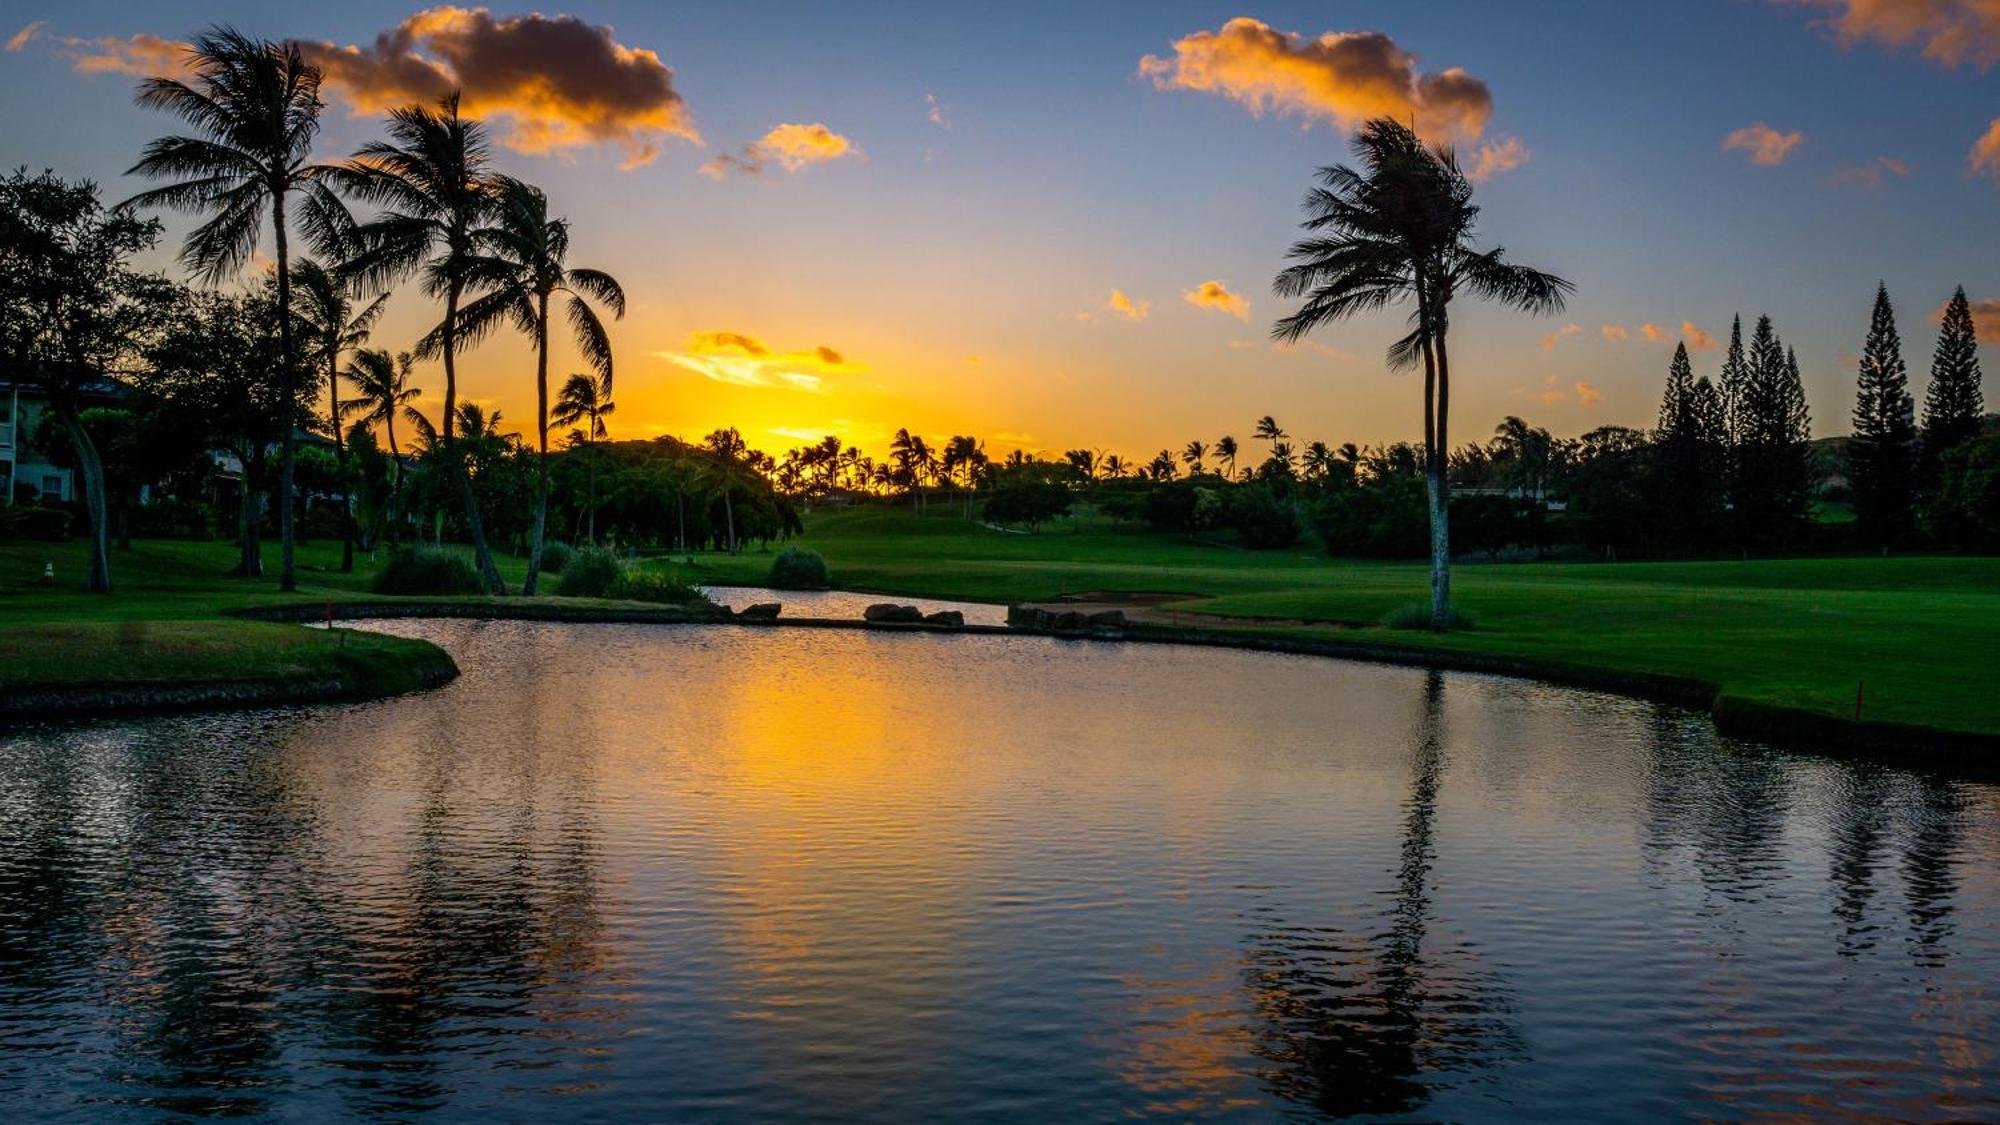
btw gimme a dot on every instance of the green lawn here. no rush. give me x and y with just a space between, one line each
1923 632
163 623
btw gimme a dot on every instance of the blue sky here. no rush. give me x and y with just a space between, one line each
950 266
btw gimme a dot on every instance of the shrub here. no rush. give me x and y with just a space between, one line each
172 518
797 568
590 573
46 524
1417 616
1026 501
556 556
426 570
1265 519
657 586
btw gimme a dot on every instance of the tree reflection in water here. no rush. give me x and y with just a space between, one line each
180 910
1373 1023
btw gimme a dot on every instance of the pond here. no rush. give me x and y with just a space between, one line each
679 873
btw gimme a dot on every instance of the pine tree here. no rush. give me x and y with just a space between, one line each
1795 449
1735 382
1952 405
1771 488
1711 424
1682 488
1881 457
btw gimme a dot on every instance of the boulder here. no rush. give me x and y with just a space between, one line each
945 617
1108 618
762 611
888 613
1068 621
1027 617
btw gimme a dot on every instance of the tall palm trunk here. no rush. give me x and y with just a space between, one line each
249 536
1440 494
542 431
97 580
395 514
729 515
474 525
340 455
591 493
288 394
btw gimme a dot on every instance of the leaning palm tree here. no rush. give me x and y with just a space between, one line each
334 320
255 105
519 262
587 400
1399 229
1225 448
429 180
384 393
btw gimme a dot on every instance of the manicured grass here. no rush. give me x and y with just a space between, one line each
1921 631
163 621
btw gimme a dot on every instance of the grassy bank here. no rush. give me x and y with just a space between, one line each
163 628
1797 635
1790 633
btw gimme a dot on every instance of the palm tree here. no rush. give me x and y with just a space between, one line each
256 106
331 320
1318 461
1225 448
384 392
1269 430
1192 456
1115 467
587 400
520 262
727 447
430 181
1397 229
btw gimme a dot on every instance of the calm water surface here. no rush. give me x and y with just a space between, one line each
640 872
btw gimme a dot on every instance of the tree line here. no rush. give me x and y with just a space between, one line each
483 245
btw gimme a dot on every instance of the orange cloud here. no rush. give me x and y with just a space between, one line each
556 81
1615 333
1215 295
1696 339
1984 159
791 147
26 35
1985 319
137 55
1340 77
1871 174
1127 307
1652 332
1949 32
1497 156
1766 145
1587 394
936 112
1551 339
742 360
1552 391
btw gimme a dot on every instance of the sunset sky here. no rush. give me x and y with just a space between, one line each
1056 225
